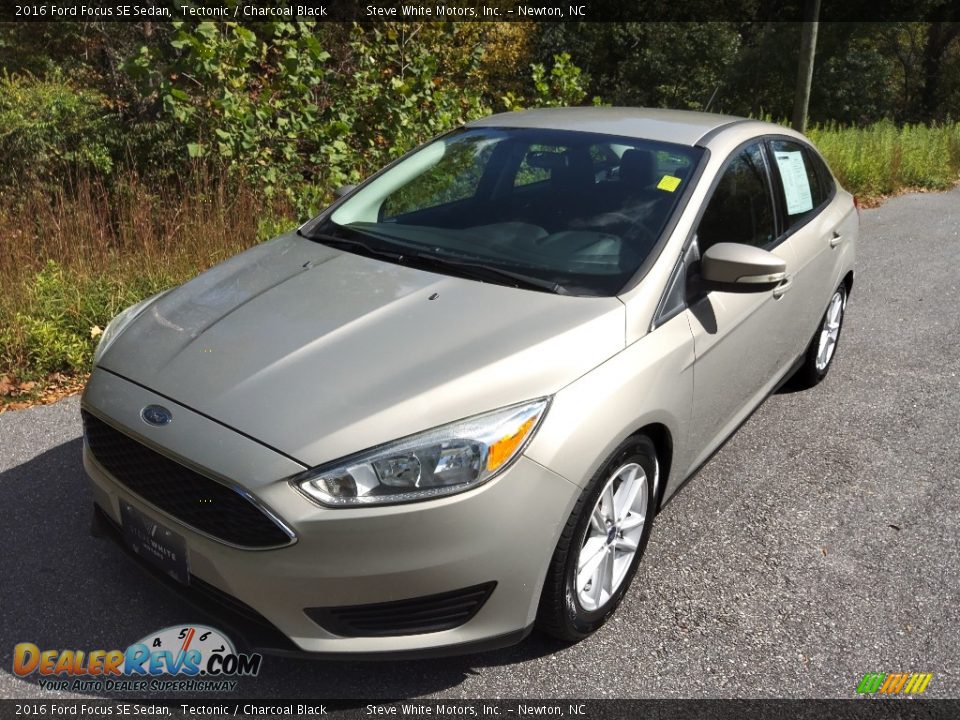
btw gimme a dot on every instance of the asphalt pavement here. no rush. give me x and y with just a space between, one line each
822 542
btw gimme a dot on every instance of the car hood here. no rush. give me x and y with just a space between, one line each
320 353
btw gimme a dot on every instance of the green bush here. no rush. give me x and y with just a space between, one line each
50 129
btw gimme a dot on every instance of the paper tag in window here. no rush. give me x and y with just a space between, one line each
796 185
668 183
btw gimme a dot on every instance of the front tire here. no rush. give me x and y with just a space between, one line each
601 544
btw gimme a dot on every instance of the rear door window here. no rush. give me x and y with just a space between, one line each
801 191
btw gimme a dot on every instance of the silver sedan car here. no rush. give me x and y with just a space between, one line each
447 410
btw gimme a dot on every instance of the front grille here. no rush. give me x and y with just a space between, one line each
430 613
192 498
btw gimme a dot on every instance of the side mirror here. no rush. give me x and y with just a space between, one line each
743 268
343 190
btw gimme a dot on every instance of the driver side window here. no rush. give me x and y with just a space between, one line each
741 209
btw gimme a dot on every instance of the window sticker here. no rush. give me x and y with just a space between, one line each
796 185
668 183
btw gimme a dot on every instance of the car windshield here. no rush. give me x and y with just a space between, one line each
568 212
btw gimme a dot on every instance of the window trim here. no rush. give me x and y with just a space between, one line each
664 312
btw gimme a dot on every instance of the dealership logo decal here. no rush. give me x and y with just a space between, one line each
894 683
177 658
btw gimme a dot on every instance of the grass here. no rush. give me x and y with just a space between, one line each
72 257
71 261
883 159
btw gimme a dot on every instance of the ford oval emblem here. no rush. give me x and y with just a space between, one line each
156 415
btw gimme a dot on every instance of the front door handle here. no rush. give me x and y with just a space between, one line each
836 239
784 285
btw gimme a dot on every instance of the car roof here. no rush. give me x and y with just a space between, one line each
683 127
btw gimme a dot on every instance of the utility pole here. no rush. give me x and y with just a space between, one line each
808 48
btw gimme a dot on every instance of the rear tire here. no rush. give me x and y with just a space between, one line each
823 346
602 543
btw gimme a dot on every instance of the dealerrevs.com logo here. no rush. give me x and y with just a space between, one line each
192 658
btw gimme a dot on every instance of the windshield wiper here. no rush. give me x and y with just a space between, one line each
342 243
483 271
470 268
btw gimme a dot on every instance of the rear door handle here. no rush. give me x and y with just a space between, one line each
784 285
836 239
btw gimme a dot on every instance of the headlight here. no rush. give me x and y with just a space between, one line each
446 460
119 322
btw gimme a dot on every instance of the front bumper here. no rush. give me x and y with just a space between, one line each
503 532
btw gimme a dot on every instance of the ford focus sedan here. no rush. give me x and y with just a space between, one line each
447 410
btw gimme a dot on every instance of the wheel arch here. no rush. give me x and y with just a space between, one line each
662 440
848 281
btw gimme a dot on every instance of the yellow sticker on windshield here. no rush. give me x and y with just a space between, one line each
668 183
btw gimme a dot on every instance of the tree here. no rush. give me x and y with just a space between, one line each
940 36
808 51
661 64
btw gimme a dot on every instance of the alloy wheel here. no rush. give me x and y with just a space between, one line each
613 536
830 331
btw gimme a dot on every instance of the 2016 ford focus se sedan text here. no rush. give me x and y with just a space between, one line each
447 410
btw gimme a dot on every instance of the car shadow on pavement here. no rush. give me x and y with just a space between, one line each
63 588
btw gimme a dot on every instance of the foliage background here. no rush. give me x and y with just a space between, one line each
137 154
